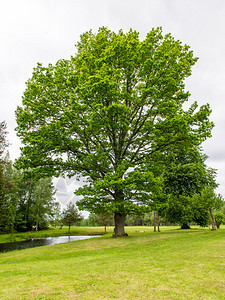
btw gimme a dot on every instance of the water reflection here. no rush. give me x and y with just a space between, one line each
42 242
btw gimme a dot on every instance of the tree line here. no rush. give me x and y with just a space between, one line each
27 203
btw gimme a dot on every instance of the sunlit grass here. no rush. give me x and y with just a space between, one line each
172 264
20 236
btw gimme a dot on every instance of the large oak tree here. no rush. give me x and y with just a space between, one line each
105 112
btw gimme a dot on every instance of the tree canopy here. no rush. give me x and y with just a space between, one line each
71 215
106 112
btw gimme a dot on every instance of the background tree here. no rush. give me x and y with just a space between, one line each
55 214
31 201
5 185
5 211
44 203
71 215
186 174
206 202
105 113
103 219
3 140
135 219
90 221
180 211
219 215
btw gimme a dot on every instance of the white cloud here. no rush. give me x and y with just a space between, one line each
34 31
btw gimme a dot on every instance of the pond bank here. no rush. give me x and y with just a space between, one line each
37 242
52 232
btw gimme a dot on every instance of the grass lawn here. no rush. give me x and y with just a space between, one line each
172 264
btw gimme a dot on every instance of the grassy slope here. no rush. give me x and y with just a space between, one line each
172 264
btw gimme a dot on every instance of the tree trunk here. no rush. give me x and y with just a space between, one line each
158 221
154 222
213 219
69 228
119 219
105 229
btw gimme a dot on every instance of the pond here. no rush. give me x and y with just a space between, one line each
5 247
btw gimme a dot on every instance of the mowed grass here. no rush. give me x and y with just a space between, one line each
172 264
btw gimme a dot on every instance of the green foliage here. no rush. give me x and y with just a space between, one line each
219 214
101 219
3 140
90 221
55 215
43 204
5 212
219 217
106 113
5 207
186 175
206 203
31 201
134 220
71 215
187 172
179 210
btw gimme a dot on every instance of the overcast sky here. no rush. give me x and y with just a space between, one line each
45 31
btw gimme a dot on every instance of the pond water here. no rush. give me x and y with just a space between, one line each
42 242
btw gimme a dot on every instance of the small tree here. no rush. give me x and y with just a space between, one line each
206 202
104 219
43 202
220 218
71 215
55 215
220 214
